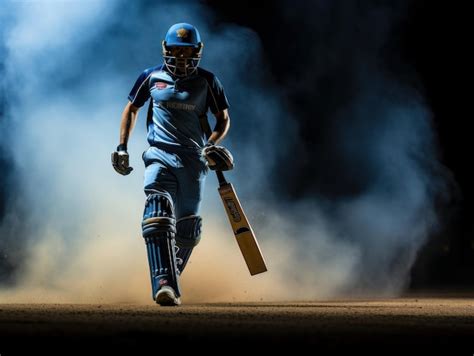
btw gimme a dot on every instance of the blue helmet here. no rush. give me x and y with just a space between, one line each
181 62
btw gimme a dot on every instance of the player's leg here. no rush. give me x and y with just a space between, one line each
188 235
191 180
159 228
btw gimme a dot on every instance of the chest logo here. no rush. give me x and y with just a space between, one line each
160 85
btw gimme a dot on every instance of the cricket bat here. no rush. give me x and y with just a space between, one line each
241 227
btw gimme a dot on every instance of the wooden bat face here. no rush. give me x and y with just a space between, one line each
242 230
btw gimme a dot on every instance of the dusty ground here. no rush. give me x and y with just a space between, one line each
380 326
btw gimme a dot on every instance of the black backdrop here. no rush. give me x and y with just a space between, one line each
432 38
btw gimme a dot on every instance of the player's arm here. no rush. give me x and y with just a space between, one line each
129 118
120 159
138 96
222 126
218 157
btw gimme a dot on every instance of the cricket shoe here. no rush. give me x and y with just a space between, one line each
167 297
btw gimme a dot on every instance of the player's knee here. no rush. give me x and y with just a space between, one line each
158 216
188 231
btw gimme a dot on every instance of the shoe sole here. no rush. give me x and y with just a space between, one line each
166 298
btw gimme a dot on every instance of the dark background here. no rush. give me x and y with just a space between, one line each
432 39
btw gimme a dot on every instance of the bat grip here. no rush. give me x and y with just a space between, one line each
221 178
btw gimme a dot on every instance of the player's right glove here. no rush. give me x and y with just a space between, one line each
120 160
218 157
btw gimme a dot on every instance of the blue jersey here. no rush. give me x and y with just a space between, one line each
177 105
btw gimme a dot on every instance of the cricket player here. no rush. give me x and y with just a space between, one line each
179 156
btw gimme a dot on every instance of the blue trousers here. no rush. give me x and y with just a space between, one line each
180 173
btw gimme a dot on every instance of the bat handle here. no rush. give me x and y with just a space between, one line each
221 178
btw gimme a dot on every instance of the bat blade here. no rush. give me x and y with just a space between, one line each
242 230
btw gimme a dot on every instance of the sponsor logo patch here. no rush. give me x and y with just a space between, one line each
233 209
160 85
178 105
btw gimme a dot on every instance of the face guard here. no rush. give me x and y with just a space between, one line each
181 60
182 49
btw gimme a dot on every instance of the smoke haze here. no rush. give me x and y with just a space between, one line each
72 230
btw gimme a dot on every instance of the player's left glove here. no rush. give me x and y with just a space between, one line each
218 157
120 161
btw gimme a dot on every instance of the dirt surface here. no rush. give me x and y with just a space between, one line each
380 326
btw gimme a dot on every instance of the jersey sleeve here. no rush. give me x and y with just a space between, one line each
140 92
216 98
